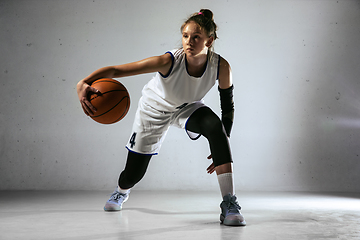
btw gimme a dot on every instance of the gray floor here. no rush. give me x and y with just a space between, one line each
177 215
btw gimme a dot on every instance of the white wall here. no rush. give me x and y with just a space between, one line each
296 67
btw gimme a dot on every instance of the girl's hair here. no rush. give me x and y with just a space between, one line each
205 19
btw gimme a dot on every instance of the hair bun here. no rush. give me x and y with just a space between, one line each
207 13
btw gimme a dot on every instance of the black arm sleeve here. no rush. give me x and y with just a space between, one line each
227 108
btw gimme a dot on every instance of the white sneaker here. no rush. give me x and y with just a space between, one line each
230 212
116 200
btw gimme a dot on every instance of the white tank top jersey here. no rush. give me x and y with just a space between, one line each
177 89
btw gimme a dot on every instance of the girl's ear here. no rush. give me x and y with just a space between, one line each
209 42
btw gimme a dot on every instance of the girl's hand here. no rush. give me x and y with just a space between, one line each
211 168
83 90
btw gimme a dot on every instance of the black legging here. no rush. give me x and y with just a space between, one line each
203 121
135 169
208 124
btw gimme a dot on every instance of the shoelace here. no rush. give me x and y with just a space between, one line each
232 205
116 196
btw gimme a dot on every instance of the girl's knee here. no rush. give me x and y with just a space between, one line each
213 125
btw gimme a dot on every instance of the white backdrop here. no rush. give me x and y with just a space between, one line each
296 67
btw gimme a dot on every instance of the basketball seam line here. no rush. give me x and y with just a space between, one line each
112 107
105 93
124 113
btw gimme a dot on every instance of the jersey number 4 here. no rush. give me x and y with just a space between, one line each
132 140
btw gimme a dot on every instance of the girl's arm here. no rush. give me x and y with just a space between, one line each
226 95
225 75
160 64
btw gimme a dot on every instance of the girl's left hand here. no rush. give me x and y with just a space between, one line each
211 168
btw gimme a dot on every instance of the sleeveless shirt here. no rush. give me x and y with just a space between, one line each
175 90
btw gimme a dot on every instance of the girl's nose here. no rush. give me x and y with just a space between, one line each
190 40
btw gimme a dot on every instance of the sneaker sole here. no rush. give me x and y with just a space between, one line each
228 222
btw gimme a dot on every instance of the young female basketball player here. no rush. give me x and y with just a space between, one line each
174 97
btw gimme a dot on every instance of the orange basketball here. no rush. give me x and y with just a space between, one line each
113 102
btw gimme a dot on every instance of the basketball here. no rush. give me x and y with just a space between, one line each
112 103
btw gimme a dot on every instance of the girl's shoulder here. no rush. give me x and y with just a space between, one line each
178 54
214 57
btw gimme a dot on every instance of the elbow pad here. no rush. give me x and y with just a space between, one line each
227 108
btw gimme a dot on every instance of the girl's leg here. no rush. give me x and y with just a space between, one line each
207 123
135 169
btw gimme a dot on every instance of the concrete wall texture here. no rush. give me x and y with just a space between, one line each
296 68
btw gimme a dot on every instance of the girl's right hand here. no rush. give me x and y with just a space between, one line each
83 90
211 168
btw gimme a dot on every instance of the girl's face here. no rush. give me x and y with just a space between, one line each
194 40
